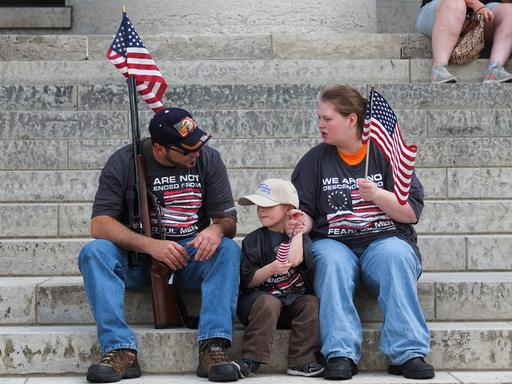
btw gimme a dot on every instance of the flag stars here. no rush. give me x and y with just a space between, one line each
126 52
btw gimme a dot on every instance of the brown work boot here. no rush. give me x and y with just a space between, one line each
115 365
214 362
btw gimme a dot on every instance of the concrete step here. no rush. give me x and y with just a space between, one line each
349 45
72 220
379 377
397 16
62 300
65 186
223 17
211 71
459 296
437 217
215 97
242 123
58 257
206 72
71 349
245 153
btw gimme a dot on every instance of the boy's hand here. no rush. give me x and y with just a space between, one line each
279 268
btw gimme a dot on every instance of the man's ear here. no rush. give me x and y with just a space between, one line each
159 148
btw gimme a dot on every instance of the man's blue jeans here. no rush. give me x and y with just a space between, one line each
106 275
389 269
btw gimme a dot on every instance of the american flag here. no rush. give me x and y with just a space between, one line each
128 54
283 251
381 125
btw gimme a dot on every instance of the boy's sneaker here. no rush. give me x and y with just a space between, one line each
115 365
497 74
440 75
311 369
214 362
246 367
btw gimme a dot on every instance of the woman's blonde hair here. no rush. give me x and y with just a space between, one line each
346 100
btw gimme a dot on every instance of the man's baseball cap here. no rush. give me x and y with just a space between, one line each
272 192
176 127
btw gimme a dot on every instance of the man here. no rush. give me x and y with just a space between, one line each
191 187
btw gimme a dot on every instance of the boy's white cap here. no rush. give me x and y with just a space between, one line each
272 192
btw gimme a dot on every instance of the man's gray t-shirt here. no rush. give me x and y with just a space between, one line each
187 198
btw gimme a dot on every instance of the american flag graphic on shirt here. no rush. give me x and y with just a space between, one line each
181 207
290 282
353 212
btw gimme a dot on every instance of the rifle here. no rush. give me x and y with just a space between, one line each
166 309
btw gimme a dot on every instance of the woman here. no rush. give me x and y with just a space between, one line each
361 235
443 20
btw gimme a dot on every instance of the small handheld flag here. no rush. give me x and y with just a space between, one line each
283 251
284 248
381 126
128 53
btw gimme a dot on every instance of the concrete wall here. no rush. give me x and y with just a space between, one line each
219 16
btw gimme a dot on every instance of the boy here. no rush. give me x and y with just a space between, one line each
274 281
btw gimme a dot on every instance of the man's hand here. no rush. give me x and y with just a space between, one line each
368 189
207 241
279 267
170 253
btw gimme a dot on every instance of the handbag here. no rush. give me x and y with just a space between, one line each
471 41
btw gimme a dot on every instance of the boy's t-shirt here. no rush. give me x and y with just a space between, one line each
260 248
279 285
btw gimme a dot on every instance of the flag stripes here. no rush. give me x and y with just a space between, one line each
381 126
128 54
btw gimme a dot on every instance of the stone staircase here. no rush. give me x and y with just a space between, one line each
64 110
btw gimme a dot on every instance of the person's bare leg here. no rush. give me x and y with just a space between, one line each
501 30
450 15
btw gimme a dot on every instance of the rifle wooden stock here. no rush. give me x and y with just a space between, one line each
165 309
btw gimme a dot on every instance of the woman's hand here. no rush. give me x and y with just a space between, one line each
368 189
487 14
296 222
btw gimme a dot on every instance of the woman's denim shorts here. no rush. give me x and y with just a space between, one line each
427 13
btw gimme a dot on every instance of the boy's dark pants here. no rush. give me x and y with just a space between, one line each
301 316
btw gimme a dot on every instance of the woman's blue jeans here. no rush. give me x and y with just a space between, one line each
106 275
389 269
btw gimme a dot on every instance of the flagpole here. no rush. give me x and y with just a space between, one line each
369 135
124 8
